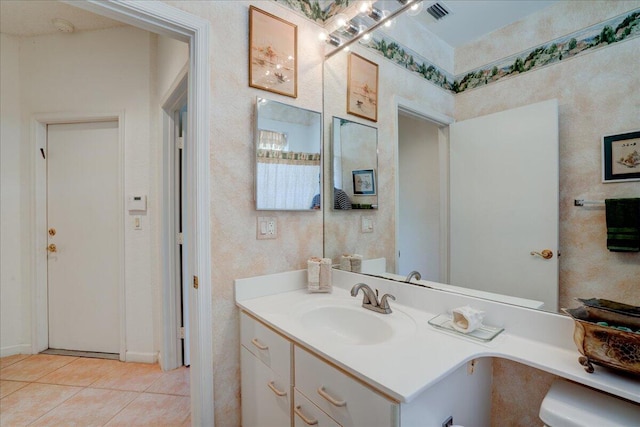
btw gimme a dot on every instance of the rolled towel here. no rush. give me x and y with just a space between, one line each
325 275
345 262
356 263
313 274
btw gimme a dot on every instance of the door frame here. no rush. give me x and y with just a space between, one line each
40 312
171 346
157 17
422 112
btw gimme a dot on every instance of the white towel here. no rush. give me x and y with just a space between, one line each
313 274
325 275
345 262
356 263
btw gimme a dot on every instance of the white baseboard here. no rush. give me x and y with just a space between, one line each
16 349
132 356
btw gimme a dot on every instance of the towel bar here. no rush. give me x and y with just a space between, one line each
581 202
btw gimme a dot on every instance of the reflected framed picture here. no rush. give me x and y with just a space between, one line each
621 157
364 182
362 87
273 49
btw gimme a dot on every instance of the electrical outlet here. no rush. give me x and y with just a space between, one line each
267 227
448 422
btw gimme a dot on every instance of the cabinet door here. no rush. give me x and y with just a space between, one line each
266 397
307 414
343 398
272 349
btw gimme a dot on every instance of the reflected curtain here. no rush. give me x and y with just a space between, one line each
287 180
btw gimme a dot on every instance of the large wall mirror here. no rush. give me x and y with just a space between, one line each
288 144
394 239
355 162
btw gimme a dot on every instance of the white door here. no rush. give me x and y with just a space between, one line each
84 268
504 202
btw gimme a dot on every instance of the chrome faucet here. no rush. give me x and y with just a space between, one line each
370 300
413 274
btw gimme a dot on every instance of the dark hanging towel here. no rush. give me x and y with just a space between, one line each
623 225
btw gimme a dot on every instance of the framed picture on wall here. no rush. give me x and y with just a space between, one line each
364 182
273 53
362 88
621 157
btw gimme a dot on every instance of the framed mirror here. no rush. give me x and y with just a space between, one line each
354 165
288 157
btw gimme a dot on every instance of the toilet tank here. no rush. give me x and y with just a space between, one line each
571 405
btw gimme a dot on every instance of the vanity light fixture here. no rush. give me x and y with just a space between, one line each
350 28
334 40
383 17
415 8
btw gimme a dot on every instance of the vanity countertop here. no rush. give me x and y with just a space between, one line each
409 364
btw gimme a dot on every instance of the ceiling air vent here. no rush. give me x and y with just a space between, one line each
438 11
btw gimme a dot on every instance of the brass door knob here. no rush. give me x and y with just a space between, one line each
546 254
52 248
52 232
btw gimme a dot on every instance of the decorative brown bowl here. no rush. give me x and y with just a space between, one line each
605 345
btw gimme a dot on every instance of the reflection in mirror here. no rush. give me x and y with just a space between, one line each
416 71
355 162
287 157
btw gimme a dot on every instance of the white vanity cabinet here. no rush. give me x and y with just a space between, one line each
266 384
343 398
305 413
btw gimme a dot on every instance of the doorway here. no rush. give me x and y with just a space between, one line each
161 18
418 197
84 262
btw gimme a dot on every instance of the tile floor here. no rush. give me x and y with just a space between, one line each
48 390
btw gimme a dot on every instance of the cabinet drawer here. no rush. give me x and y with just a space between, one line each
266 397
272 349
307 414
343 398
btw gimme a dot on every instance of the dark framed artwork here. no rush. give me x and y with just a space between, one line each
364 182
621 157
273 53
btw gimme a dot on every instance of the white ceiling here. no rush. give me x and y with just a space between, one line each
33 17
469 19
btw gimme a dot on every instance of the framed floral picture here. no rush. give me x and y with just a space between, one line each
364 182
621 157
362 88
273 49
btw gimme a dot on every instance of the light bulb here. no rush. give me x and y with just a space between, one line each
415 8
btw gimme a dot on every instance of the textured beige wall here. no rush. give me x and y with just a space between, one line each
516 393
597 95
235 251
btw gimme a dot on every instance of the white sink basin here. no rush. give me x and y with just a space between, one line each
348 323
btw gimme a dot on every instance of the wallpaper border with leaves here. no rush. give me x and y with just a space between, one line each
620 28
311 8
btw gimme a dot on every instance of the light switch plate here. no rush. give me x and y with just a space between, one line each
267 227
366 224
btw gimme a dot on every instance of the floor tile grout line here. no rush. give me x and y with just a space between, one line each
55 407
138 394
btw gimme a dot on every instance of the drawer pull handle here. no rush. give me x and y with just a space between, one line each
330 398
273 388
259 344
307 421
